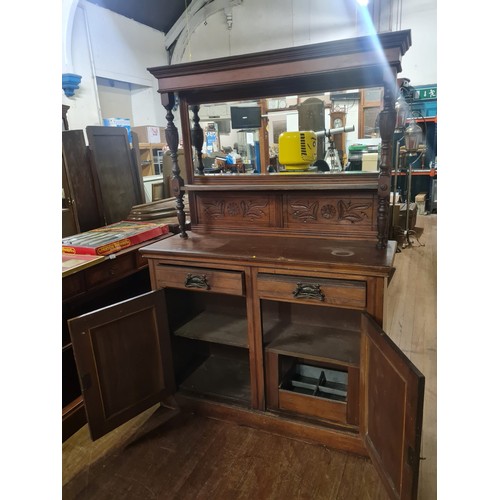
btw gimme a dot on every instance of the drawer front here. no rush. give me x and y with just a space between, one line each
200 279
303 404
335 292
72 285
140 260
315 396
111 269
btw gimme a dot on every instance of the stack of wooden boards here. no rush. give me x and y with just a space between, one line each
161 209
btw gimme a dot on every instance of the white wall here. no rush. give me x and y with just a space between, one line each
420 62
115 99
111 46
259 25
84 105
107 45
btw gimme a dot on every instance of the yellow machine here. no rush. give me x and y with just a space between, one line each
297 150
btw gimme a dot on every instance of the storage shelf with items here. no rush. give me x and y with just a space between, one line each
151 158
312 361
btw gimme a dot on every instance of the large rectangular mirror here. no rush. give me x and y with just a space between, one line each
327 133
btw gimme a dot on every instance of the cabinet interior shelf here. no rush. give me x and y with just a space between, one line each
316 343
216 327
222 377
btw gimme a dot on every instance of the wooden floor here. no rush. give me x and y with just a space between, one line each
160 455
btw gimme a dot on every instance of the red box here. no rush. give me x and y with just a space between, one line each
113 238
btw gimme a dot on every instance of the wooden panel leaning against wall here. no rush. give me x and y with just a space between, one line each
80 197
101 182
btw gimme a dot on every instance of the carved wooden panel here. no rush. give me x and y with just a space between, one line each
339 211
342 214
234 210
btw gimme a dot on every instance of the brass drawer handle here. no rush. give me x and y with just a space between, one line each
196 281
308 291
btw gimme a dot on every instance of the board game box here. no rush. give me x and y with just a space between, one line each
112 238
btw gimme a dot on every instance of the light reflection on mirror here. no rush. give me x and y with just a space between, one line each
268 136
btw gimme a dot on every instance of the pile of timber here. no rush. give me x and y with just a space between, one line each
161 209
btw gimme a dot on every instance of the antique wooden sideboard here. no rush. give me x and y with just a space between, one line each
270 310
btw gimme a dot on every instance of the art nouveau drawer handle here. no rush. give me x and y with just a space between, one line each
196 281
308 291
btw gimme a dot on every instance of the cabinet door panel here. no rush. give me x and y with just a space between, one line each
124 360
392 395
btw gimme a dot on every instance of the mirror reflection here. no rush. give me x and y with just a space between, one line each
330 133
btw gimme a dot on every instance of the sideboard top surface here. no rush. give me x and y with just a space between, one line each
281 252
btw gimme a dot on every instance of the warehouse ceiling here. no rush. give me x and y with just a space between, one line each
158 14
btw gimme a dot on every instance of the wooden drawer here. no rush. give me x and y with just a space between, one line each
335 292
72 285
198 278
111 269
312 406
319 392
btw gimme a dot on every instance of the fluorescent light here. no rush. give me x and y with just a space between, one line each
363 3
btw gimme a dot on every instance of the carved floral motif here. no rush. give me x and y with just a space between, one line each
245 208
328 211
214 209
352 212
253 209
233 208
305 211
343 211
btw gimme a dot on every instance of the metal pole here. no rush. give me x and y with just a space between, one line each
408 198
395 188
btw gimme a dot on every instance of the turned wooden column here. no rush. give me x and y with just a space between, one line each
387 123
263 138
176 181
197 138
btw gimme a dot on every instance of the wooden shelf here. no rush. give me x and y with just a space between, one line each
148 156
221 377
303 186
317 343
431 173
216 327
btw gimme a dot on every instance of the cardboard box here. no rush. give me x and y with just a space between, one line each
150 134
369 162
420 201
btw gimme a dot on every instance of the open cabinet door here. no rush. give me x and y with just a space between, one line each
392 397
124 360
